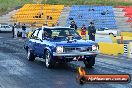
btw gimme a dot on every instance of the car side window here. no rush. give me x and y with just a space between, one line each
2 27
40 34
47 33
34 35
7 26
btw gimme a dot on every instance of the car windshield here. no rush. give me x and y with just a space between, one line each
60 33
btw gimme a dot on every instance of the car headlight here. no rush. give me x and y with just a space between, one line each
59 49
94 48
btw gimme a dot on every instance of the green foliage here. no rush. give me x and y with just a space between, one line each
6 5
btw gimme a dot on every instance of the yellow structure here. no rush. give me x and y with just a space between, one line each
111 48
39 14
114 40
129 34
124 37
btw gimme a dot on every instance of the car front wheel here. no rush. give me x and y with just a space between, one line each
30 56
49 62
89 62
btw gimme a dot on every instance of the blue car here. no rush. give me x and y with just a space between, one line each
60 44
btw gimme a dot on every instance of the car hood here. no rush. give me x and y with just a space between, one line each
75 43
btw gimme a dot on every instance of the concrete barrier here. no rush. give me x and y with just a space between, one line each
129 34
111 48
124 37
114 40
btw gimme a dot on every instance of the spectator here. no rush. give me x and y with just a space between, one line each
91 9
73 25
45 24
70 18
80 16
53 25
39 16
23 31
91 31
105 12
83 31
13 30
57 23
16 30
48 17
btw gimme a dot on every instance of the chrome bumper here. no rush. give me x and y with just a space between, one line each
76 53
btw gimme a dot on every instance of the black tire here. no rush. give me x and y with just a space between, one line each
30 56
89 62
26 48
49 61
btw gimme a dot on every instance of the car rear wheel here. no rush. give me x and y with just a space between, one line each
30 56
89 62
49 62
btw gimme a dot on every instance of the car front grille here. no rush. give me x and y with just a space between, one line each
81 49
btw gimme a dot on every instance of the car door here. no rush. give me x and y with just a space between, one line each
32 41
2 28
8 28
39 46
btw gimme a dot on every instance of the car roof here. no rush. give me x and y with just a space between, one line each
56 27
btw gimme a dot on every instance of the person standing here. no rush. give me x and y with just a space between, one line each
23 31
73 25
53 25
91 31
16 30
83 31
57 23
13 30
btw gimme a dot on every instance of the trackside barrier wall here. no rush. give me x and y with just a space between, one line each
129 34
114 40
111 48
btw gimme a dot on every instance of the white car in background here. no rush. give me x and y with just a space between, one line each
107 31
5 28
